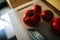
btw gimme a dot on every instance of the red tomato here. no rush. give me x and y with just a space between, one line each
55 25
47 15
31 18
37 8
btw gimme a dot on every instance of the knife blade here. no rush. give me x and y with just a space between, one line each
36 35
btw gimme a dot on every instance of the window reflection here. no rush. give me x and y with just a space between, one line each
4 21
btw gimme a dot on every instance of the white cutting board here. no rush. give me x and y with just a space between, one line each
20 30
43 26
